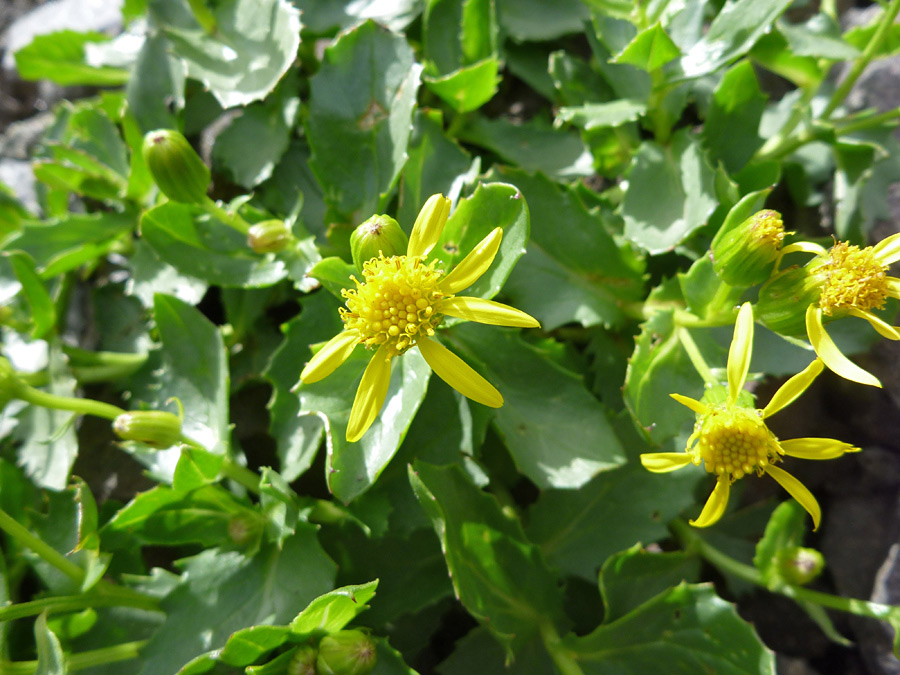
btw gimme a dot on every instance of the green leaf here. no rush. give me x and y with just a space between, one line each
633 577
150 275
467 88
329 613
327 18
786 529
539 20
196 468
203 247
731 132
578 273
688 628
478 652
492 205
819 37
602 115
247 645
157 81
579 529
361 103
772 53
650 49
556 432
861 36
254 44
499 576
51 657
298 436
221 592
446 51
334 273
43 311
671 193
731 34
532 145
60 58
351 468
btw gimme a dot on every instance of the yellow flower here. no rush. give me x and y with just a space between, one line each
842 281
399 304
732 440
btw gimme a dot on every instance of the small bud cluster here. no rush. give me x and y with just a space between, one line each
347 652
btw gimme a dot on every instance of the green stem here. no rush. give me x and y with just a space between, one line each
71 603
694 543
695 356
849 125
563 658
774 147
21 534
82 406
233 220
241 475
868 54
81 660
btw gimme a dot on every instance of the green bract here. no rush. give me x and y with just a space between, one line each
177 170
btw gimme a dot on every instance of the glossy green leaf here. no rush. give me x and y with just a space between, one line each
488 556
819 37
60 58
578 273
329 613
492 205
329 17
361 103
158 79
254 44
580 529
541 399
195 468
43 311
601 115
334 274
688 628
51 657
670 193
650 49
633 577
731 131
538 20
467 88
200 246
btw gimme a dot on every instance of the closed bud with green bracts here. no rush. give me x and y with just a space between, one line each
269 236
379 235
156 428
303 662
347 652
783 300
245 529
800 565
177 170
9 382
745 254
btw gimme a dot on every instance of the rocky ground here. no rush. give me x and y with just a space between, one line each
860 494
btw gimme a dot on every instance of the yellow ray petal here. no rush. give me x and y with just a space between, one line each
428 227
739 352
473 265
329 357
798 491
458 374
715 505
485 311
663 462
830 354
791 389
887 251
893 286
883 327
803 247
816 448
696 406
371 394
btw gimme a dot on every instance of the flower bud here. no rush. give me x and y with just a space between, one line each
379 235
744 255
177 170
244 529
303 662
784 298
156 428
269 236
347 652
800 565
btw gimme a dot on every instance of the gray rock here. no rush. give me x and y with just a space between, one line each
18 176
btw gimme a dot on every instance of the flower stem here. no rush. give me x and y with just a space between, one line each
21 534
100 597
241 475
82 406
82 660
695 356
233 220
694 543
562 657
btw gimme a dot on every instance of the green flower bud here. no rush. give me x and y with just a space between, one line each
303 662
379 235
9 382
783 300
244 529
745 254
347 652
177 170
800 565
269 236
156 428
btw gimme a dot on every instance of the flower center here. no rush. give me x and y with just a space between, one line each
853 279
768 229
734 441
395 304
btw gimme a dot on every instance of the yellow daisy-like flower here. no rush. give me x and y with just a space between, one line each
398 305
855 281
732 440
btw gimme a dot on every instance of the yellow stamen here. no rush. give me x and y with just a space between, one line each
734 442
854 279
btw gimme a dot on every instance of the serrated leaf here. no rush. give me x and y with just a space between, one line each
156 83
602 115
329 613
688 628
499 576
555 430
731 132
60 58
361 103
650 49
